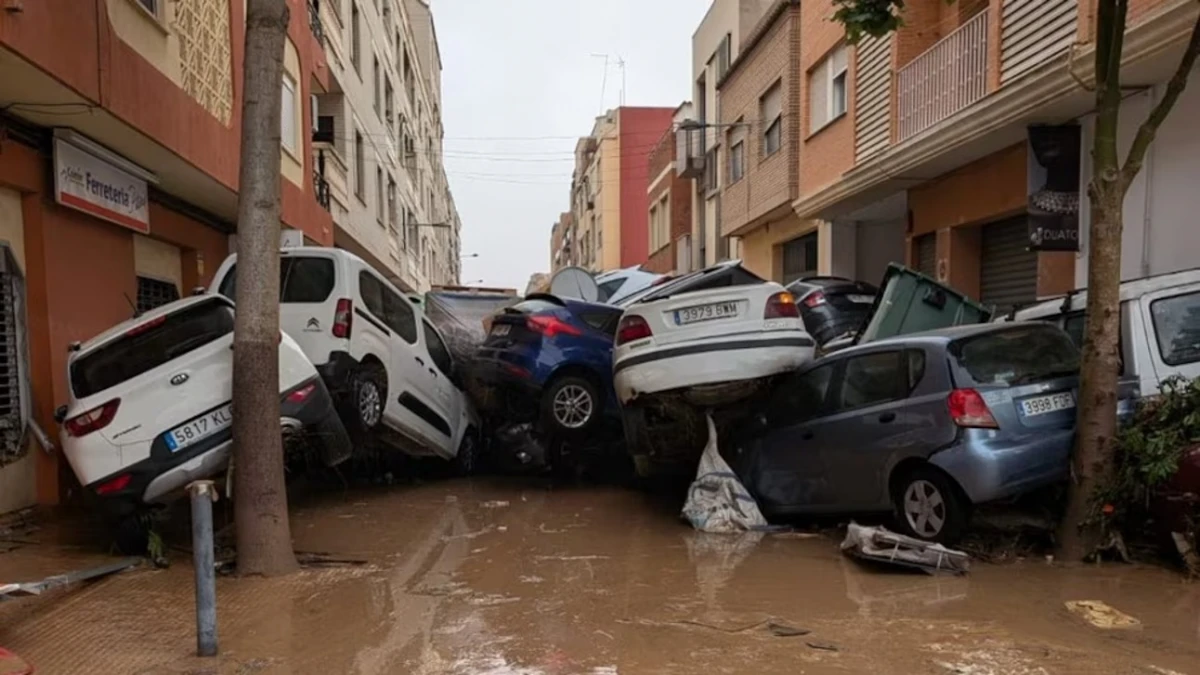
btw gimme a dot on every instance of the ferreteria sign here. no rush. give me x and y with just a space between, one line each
87 183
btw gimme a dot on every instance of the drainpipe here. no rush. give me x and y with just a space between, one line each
1148 197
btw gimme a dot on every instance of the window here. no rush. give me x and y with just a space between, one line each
724 52
377 86
1177 328
800 257
129 356
827 90
389 106
355 39
1021 354
660 223
437 349
378 193
301 280
287 114
710 170
152 6
14 359
153 293
800 398
360 167
770 111
399 316
391 203
871 379
609 287
737 161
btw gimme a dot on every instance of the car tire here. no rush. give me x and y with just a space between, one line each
366 400
571 406
466 460
930 506
131 534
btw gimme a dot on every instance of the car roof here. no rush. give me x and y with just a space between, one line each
162 310
943 335
1133 288
572 303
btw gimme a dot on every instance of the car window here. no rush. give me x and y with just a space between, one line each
605 322
149 346
1019 355
800 398
371 291
437 349
1075 323
535 306
302 279
871 379
1177 328
916 368
609 287
398 314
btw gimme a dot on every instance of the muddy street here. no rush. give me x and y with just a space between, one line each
511 577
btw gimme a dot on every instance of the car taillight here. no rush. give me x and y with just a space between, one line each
968 409
632 328
782 305
551 326
115 485
343 318
142 328
301 395
814 299
92 420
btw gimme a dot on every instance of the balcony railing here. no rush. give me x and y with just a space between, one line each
948 77
314 21
321 189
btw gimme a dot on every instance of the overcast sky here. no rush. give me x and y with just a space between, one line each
519 85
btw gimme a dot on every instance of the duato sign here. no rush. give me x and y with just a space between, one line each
87 183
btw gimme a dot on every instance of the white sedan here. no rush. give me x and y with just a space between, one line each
708 333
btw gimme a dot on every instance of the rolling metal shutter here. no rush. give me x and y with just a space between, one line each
1007 269
800 258
926 261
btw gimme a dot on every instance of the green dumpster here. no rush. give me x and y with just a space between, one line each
911 302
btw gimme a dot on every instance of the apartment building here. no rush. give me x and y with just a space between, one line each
378 140
670 199
119 147
965 144
716 42
608 187
561 239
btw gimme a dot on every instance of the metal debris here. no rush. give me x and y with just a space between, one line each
1101 615
18 590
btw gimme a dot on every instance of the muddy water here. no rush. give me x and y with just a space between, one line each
499 577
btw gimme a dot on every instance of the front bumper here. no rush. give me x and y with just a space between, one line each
737 358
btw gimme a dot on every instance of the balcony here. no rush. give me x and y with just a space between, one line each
315 23
321 190
948 77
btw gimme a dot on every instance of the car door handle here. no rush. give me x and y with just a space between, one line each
433 372
419 361
887 417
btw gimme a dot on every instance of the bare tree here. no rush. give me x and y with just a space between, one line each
1095 443
264 544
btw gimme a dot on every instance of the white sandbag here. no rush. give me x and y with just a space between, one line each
717 501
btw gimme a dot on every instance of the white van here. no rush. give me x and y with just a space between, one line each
385 363
1160 328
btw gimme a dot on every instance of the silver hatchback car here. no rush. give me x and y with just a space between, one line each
927 425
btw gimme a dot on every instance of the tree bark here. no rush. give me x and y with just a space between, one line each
264 544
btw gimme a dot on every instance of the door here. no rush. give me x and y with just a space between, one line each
412 393
1007 268
873 418
799 258
787 469
926 261
447 403
1172 319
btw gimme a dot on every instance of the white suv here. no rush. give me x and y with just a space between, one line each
150 401
385 363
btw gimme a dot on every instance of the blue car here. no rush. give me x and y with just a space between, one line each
548 359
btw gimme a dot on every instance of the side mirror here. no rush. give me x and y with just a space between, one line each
60 414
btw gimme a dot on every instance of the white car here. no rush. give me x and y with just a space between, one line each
617 285
150 401
707 336
385 363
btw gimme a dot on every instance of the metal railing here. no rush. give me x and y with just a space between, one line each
314 21
948 77
321 190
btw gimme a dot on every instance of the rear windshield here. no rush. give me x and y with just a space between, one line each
713 277
301 280
1177 328
535 306
153 345
1013 357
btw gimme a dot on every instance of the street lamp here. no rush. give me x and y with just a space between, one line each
468 255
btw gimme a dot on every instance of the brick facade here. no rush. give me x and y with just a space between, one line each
661 169
833 144
770 55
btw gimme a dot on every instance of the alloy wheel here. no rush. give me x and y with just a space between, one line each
370 407
924 508
572 406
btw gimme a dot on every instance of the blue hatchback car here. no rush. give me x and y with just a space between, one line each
549 359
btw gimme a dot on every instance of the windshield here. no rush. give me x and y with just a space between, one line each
1028 353
148 346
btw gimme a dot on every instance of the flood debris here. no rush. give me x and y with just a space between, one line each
717 501
9 591
823 646
878 544
784 630
1101 615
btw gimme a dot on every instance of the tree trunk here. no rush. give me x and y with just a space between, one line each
264 544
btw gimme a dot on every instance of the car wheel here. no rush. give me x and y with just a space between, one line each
930 506
368 397
571 406
468 453
131 534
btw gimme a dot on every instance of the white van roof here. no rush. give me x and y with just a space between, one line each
1130 290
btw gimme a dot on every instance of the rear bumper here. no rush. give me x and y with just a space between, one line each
499 379
990 468
164 472
744 357
337 370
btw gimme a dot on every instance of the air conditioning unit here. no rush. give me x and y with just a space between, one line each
689 149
